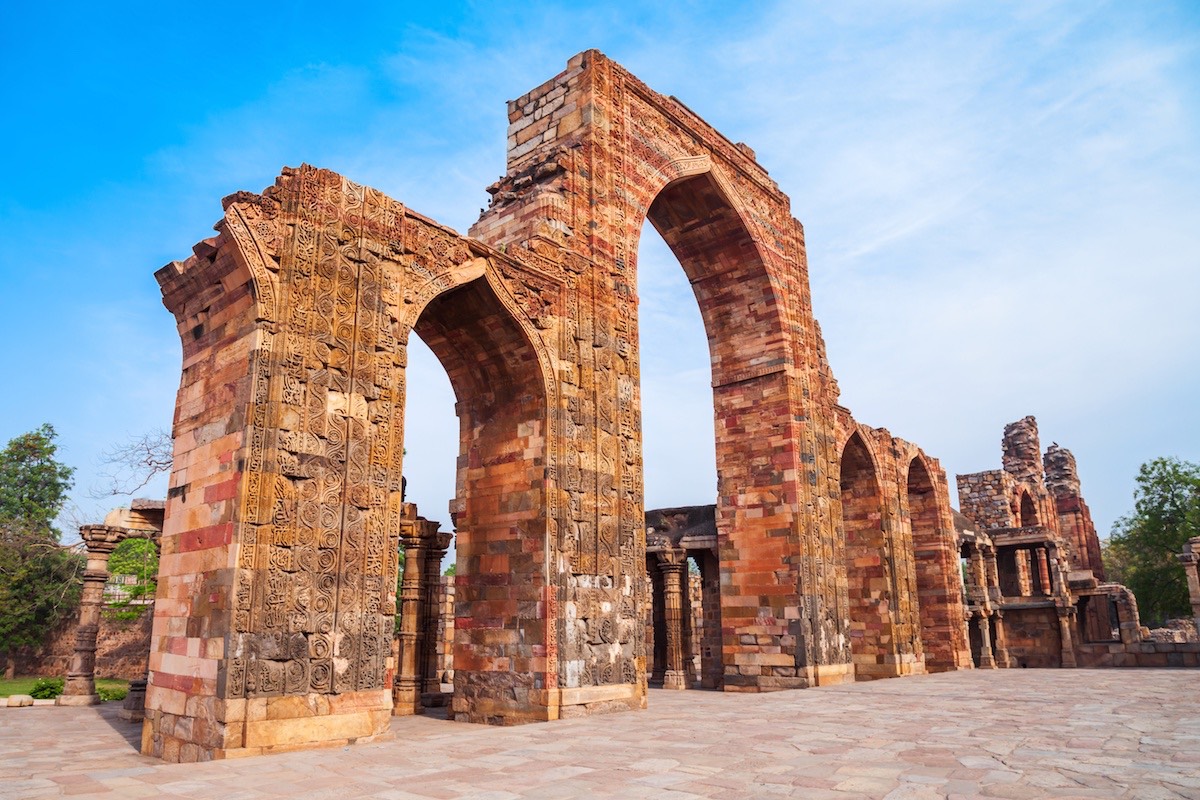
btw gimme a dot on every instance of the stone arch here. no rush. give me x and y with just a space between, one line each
592 152
502 576
869 578
939 579
294 448
1027 514
741 312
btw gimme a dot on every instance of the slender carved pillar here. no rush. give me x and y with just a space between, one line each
673 563
1043 559
436 548
1190 558
80 689
1065 618
1002 660
993 575
986 660
406 693
656 647
711 668
977 591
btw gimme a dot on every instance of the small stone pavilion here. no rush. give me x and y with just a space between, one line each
1036 593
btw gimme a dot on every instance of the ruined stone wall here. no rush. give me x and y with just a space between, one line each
122 649
1142 654
985 498
1074 517
1033 637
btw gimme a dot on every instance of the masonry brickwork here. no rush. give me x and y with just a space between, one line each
835 547
1035 581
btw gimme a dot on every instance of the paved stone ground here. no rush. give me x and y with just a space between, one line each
1007 734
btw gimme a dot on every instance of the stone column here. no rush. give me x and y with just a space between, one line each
1043 560
1002 660
1190 557
977 590
986 660
80 688
993 575
1024 562
406 692
436 549
711 664
672 563
1065 618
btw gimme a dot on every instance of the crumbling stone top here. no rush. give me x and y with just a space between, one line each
668 527
1022 456
1062 476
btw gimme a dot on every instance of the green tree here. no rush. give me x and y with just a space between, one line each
139 558
1141 550
33 484
39 580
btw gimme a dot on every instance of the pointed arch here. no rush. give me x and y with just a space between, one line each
699 219
869 567
1027 514
500 512
939 581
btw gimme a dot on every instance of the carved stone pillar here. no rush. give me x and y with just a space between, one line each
712 668
1043 562
80 688
1190 558
977 589
1002 660
993 575
986 660
436 549
1065 619
672 563
406 692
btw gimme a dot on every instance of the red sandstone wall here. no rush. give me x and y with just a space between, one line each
1033 636
122 648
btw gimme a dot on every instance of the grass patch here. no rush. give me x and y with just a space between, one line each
25 685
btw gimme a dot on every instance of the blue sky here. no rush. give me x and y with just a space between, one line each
1001 201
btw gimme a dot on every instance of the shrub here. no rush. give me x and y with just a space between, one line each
47 688
114 693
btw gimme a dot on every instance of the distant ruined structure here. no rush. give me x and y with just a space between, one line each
1035 583
830 553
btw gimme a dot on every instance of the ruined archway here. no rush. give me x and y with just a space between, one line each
501 578
869 568
1027 514
939 580
280 547
294 321
737 303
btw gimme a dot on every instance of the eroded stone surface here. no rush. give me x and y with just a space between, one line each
1011 734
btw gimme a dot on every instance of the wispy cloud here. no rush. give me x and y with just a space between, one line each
999 202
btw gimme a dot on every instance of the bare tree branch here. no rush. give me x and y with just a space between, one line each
134 463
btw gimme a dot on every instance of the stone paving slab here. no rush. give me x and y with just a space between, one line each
984 734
